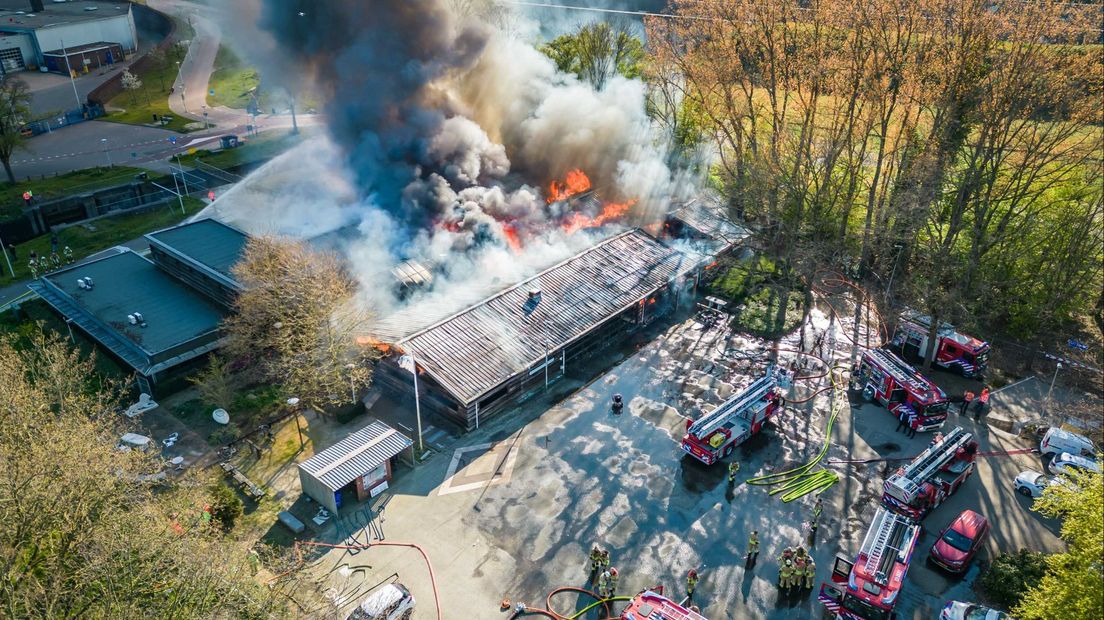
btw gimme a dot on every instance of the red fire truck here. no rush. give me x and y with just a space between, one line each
954 349
917 488
651 605
716 434
886 378
867 588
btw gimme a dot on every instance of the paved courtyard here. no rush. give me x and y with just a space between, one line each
510 511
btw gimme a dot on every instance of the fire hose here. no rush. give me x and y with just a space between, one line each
549 612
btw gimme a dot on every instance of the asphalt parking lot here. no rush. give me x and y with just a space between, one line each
512 509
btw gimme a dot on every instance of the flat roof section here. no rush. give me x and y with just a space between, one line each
472 352
80 49
57 13
127 283
208 242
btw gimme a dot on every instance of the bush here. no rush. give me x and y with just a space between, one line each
226 506
224 435
1011 575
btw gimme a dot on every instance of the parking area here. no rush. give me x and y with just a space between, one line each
513 509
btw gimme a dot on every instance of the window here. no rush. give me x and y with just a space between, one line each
11 60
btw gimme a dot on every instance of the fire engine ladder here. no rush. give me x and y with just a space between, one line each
710 422
930 461
882 543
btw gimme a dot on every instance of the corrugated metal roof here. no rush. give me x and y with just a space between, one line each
209 242
477 349
355 455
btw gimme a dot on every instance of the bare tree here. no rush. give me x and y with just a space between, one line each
132 82
15 102
296 322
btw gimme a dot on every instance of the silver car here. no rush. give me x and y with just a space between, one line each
1032 483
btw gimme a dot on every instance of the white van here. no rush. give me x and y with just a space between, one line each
391 602
1057 441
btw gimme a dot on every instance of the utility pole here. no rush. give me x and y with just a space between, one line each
294 124
80 106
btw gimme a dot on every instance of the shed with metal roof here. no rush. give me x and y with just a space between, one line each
355 468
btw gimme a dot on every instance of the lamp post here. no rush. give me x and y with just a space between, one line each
1046 402
103 141
546 363
206 125
7 259
293 404
72 81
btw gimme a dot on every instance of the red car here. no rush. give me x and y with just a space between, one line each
960 541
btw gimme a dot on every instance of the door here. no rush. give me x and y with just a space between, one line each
841 569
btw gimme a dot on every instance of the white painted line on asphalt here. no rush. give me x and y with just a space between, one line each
483 465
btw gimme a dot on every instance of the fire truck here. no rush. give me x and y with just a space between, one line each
716 434
867 588
954 350
651 605
917 488
889 380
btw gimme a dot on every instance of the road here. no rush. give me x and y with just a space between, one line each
573 474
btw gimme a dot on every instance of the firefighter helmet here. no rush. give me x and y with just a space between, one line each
692 573
613 571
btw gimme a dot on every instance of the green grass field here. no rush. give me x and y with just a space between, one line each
76 182
109 231
137 107
257 148
232 81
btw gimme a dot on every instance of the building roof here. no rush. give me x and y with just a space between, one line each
17 14
472 352
356 455
77 50
707 215
206 243
180 323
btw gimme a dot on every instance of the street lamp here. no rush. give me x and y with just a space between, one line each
206 125
546 343
103 141
1046 403
293 404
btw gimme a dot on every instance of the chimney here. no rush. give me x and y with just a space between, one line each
36 6
534 294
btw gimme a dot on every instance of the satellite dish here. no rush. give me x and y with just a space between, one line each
220 416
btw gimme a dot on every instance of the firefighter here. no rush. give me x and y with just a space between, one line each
603 584
967 398
818 508
605 558
799 572
68 255
753 545
902 422
691 583
595 563
800 553
810 573
982 403
785 575
733 467
33 266
611 586
787 554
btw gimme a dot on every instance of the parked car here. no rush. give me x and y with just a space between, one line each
1032 483
391 602
957 610
960 541
1064 462
1058 440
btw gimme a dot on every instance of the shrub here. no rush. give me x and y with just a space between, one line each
1011 575
224 435
226 506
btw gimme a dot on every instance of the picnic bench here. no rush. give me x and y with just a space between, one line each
247 485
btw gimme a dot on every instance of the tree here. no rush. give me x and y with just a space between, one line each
597 52
296 320
226 506
1071 586
1011 575
84 536
132 82
15 102
216 383
157 62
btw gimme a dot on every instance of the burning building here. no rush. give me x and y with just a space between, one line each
475 362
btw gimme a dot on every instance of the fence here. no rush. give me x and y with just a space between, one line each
70 117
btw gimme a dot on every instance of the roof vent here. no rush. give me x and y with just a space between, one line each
535 293
137 319
85 283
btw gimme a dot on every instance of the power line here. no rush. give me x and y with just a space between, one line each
602 10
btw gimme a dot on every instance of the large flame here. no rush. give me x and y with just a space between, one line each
610 211
576 182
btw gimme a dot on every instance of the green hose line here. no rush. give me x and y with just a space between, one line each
800 481
597 603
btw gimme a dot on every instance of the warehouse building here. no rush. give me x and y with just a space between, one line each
475 363
159 317
356 468
79 35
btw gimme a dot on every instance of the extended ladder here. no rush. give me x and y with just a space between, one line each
928 462
885 535
710 422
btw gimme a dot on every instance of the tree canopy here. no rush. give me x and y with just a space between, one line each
596 52
15 108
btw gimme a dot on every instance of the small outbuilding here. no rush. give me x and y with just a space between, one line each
355 468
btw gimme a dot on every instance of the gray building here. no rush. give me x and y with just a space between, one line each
159 317
356 468
91 33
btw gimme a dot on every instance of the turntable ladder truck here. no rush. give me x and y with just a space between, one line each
716 434
933 476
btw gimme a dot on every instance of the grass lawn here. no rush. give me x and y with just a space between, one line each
764 301
59 186
137 107
257 148
232 81
109 231
37 312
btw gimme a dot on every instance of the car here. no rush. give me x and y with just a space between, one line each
957 610
1059 440
391 602
960 541
1032 483
1064 462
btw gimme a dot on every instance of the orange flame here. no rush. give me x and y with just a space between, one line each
512 238
610 211
576 182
